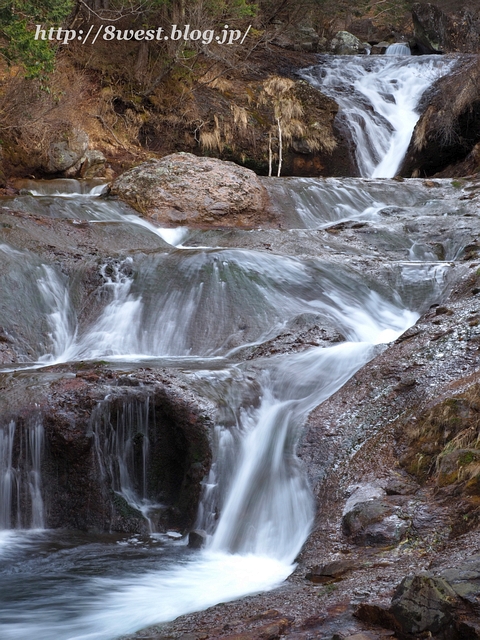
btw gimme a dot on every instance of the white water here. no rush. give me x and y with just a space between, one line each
378 98
116 451
268 509
20 476
398 49
196 303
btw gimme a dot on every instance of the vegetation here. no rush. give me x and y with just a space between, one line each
17 42
134 97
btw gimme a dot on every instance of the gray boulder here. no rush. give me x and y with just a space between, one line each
66 151
93 164
346 44
374 522
183 189
423 603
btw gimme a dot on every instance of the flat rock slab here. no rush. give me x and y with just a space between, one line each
183 189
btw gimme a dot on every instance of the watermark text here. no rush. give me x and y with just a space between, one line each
110 32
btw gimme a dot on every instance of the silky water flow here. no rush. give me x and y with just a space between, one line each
181 305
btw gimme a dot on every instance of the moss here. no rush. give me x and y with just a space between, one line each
449 426
123 508
466 458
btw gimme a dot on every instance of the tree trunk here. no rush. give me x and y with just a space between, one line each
280 148
270 154
141 63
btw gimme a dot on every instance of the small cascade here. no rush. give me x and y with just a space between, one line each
61 317
398 49
61 187
21 452
378 98
122 444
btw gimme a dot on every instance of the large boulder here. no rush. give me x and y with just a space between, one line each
89 426
437 31
374 522
346 44
423 603
183 189
449 127
441 604
66 151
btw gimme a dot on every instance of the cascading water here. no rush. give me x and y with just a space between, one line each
398 49
21 449
123 450
209 307
378 98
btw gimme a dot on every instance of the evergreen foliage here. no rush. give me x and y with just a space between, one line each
17 44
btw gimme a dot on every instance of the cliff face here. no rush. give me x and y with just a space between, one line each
446 27
445 139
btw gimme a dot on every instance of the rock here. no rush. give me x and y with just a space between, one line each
196 191
197 539
380 48
324 573
66 151
452 466
377 615
423 603
374 522
362 493
449 127
298 37
346 44
436 31
80 485
94 164
465 579
401 485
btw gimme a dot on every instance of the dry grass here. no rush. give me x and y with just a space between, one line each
32 117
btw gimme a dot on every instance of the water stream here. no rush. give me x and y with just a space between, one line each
378 98
200 310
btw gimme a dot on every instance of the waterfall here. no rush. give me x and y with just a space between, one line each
21 452
61 317
122 446
7 475
378 98
205 311
398 49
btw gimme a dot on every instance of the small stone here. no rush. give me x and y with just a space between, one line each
197 539
324 573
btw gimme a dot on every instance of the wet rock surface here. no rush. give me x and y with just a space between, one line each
356 445
81 408
186 189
